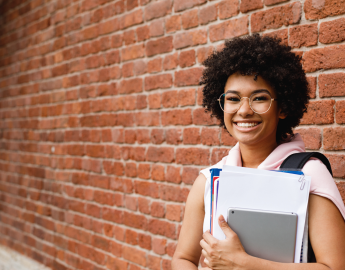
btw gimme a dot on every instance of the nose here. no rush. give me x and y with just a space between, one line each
245 108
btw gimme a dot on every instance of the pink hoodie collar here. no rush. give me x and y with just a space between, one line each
275 159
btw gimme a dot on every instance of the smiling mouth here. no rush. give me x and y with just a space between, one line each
247 125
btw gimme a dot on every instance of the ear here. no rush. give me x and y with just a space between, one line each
282 115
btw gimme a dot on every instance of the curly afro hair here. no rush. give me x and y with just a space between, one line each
264 56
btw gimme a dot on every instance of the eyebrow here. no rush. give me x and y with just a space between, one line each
254 92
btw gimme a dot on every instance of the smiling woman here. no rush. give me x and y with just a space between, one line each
257 89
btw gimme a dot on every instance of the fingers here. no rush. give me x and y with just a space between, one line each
225 227
210 240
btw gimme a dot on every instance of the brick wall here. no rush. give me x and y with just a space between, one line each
102 132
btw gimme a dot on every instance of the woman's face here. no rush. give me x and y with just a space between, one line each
265 125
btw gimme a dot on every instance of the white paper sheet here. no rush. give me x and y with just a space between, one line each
264 190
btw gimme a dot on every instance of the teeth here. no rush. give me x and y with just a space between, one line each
247 124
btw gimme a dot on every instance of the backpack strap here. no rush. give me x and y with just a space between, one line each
297 160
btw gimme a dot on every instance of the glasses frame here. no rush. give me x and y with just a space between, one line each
250 104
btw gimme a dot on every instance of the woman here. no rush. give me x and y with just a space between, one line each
257 89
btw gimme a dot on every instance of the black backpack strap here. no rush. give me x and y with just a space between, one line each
297 161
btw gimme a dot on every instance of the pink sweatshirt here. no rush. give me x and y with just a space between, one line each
322 183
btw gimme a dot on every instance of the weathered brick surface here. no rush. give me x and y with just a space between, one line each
318 10
102 129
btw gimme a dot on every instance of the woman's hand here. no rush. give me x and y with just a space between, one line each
227 254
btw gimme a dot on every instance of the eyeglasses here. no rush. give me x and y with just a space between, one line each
259 102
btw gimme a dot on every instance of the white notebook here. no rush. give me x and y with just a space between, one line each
265 190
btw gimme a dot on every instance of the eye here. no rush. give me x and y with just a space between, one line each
261 98
232 99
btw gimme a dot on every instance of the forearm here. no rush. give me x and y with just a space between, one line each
254 263
178 264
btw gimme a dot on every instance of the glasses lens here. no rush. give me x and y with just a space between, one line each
260 102
230 102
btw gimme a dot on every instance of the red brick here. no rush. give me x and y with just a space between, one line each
158 81
191 135
131 86
338 169
200 117
132 4
208 14
155 101
159 245
210 136
318 10
186 97
218 154
324 58
229 29
170 99
173 24
174 136
154 262
319 112
185 4
340 112
131 237
156 28
203 53
158 46
190 19
228 8
157 136
157 173
187 58
189 174
173 174
282 34
276 17
333 31
141 102
195 156
147 118
162 227
273 2
157 209
303 35
132 18
144 171
248 5
170 61
108 26
312 86
173 212
188 77
173 193
190 38
129 37
134 255
144 205
131 169
143 33
332 85
154 65
145 241
176 117
134 220
147 189
226 139
157 9
133 52
143 136
160 154
334 138
311 137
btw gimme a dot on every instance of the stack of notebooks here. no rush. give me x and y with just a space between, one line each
263 191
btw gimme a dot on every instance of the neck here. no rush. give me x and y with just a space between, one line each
254 155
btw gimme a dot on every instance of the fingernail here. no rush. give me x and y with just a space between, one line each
222 219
